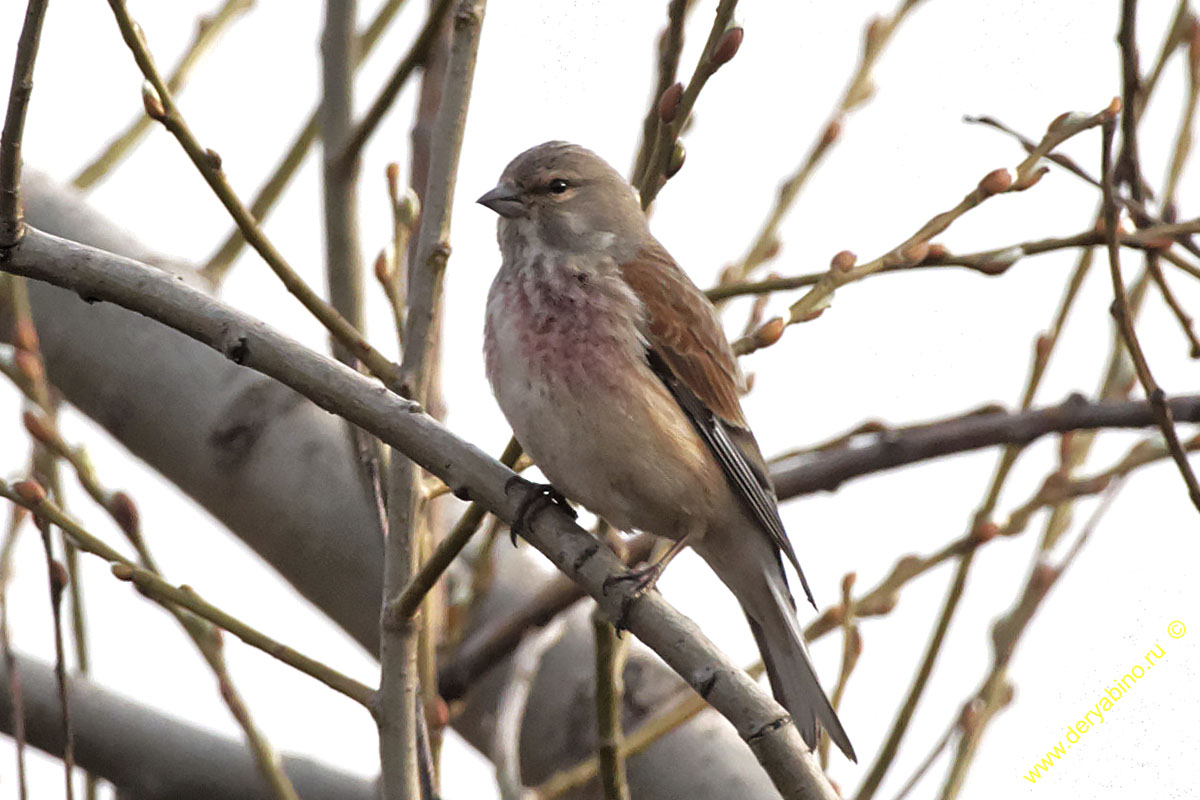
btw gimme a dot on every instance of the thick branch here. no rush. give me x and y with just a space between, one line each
806 473
401 424
277 471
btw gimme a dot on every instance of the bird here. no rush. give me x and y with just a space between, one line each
614 372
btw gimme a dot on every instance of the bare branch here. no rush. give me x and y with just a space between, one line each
1120 312
915 248
805 473
860 89
758 719
12 215
996 692
161 106
408 512
414 58
343 257
409 600
722 44
208 30
31 496
220 263
612 650
670 45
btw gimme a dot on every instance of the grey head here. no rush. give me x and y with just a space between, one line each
570 199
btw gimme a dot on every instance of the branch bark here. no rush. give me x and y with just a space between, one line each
97 275
278 472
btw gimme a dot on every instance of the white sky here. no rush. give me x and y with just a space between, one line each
899 349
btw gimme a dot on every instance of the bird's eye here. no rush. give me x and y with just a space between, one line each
558 186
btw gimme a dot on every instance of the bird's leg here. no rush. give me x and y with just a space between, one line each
646 575
537 497
643 577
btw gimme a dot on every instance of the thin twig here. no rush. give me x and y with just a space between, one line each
153 586
56 575
722 44
219 264
927 762
339 178
1143 216
12 215
408 511
391 268
1177 310
208 31
1183 139
996 692
45 466
409 599
892 743
32 497
670 45
992 263
851 650
1182 22
17 516
1179 156
612 650
161 106
357 138
876 36
915 248
1117 380
485 648
204 635
981 528
1124 320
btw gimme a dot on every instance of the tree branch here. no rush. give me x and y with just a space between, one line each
101 276
806 473
161 106
12 215
208 30
408 514
1120 309
414 58
343 259
723 42
915 248
222 260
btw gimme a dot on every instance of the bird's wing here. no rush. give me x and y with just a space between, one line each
687 349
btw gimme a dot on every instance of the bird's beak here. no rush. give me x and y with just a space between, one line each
505 200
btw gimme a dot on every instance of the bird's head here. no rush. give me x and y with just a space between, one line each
568 198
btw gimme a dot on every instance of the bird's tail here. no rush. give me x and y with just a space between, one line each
768 606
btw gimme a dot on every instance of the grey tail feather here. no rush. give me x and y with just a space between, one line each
793 678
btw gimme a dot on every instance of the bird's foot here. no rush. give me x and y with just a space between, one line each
643 578
538 496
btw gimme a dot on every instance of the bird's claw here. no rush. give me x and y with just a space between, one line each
643 579
538 496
